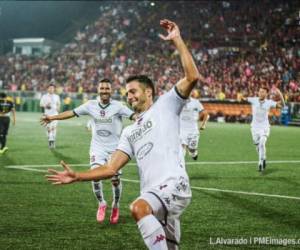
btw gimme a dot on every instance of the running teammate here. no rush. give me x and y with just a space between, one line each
189 128
106 126
260 126
50 103
6 108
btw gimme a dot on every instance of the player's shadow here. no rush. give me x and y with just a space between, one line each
63 157
256 209
63 146
270 171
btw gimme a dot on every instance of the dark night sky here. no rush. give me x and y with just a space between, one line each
42 18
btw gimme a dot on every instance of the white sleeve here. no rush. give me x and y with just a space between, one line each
125 111
82 109
124 144
200 107
42 102
172 101
58 100
251 99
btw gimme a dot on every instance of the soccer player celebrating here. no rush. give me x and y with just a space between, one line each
50 103
154 141
106 126
6 108
260 126
189 129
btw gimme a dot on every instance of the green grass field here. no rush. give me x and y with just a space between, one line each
37 215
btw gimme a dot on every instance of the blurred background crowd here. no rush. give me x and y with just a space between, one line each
237 47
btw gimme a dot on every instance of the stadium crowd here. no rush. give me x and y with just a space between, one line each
237 47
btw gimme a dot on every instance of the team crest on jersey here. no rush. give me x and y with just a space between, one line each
102 113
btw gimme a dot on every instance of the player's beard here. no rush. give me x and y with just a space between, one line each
262 98
105 97
139 106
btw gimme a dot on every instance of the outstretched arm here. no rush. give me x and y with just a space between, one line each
62 116
191 73
58 106
118 160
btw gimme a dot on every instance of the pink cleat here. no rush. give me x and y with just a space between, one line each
101 213
114 217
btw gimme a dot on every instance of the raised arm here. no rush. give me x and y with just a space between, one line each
191 73
14 116
58 105
205 115
280 103
118 160
45 119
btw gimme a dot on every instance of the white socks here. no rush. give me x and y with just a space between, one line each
54 134
98 191
117 190
184 150
51 135
153 233
262 148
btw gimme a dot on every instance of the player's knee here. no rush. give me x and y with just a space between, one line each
139 209
262 141
115 182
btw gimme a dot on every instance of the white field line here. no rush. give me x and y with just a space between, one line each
31 168
187 163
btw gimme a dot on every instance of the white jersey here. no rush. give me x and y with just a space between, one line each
154 141
260 112
51 104
107 123
189 116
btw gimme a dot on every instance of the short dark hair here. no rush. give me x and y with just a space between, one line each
105 80
143 79
51 85
3 95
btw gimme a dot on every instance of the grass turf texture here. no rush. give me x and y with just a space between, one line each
37 215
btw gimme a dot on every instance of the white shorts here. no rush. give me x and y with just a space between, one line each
257 133
101 158
51 125
168 201
189 139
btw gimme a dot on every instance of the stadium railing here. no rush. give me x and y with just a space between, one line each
230 110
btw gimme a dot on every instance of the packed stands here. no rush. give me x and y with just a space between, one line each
237 47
